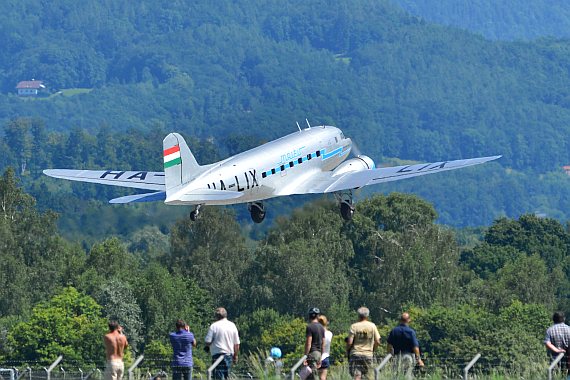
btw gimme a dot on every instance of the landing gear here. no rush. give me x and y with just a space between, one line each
346 211
257 211
194 214
346 204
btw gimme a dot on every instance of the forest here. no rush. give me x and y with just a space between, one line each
467 292
497 20
480 258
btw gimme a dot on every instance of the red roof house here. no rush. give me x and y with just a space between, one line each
30 87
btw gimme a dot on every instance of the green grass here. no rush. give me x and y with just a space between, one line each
72 91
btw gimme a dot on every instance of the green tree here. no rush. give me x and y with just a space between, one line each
212 250
69 324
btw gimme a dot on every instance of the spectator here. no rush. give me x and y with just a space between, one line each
115 344
222 339
557 339
403 343
273 363
314 342
182 341
363 339
325 358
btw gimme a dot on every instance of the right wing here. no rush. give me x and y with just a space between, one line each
138 180
326 182
395 173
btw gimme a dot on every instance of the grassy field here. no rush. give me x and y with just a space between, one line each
72 92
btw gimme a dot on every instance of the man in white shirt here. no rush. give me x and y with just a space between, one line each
222 339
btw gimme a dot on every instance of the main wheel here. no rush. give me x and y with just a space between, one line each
346 211
257 214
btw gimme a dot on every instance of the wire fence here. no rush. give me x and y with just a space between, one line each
158 368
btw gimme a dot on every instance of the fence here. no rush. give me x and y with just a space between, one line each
143 368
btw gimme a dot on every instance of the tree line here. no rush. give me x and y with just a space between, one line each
489 296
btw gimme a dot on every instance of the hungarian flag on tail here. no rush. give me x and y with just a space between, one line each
172 157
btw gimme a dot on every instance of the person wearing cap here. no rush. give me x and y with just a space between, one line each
314 342
363 339
404 345
274 362
222 339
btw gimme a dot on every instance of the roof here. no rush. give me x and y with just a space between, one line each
37 84
566 167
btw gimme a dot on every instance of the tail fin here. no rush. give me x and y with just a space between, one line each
180 166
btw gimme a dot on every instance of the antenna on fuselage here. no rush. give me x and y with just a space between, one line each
298 126
308 123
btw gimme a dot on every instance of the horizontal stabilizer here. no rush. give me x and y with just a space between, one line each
136 198
199 196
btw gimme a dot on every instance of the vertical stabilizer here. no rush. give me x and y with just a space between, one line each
180 166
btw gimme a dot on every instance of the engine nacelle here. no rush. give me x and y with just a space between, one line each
357 164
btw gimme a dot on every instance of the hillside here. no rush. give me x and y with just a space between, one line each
498 20
400 87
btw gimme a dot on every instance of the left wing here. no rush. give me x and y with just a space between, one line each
138 180
325 182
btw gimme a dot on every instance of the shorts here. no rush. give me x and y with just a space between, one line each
114 370
359 365
312 360
325 363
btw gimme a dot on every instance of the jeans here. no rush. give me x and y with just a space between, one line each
181 373
222 371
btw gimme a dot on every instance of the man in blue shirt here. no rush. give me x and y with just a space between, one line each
182 341
403 343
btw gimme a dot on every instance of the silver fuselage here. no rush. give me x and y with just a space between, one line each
274 168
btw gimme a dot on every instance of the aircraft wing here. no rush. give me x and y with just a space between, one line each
135 179
327 183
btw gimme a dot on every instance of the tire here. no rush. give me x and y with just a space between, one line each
346 211
257 215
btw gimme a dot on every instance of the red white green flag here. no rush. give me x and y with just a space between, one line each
172 156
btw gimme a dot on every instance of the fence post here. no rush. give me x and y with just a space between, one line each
135 365
553 364
381 365
52 366
297 365
214 365
468 366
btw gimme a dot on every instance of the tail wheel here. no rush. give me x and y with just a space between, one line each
346 211
257 212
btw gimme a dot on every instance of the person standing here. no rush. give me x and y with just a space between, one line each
557 339
363 339
403 343
182 341
222 339
314 341
115 343
325 358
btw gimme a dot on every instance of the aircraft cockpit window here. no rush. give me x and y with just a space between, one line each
342 136
336 139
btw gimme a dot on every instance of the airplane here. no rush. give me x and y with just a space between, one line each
309 161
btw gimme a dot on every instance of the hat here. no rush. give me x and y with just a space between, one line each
314 311
276 352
